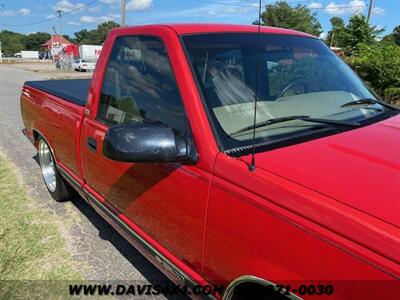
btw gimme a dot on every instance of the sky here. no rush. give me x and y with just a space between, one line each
28 16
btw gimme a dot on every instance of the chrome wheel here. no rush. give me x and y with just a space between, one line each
47 166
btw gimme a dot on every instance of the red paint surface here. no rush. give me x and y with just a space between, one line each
326 210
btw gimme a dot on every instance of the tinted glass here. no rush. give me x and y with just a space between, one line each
296 76
139 85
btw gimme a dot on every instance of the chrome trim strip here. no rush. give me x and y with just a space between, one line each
249 278
149 248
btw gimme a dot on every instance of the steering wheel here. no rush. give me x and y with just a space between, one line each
292 84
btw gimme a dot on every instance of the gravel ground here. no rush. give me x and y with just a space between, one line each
100 251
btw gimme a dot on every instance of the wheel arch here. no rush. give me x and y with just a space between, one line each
254 280
38 134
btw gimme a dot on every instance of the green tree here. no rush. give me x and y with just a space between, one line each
95 36
359 31
396 35
34 41
100 33
11 42
393 37
281 14
379 66
82 36
356 31
388 39
337 35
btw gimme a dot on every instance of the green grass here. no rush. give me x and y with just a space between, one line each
33 255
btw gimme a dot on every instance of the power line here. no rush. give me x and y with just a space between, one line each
52 18
79 7
336 6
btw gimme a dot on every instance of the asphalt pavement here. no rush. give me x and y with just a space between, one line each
95 246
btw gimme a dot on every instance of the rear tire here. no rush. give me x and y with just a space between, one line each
55 184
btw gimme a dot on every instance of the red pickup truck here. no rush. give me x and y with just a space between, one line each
302 201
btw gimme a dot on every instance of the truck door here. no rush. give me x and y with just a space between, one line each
166 200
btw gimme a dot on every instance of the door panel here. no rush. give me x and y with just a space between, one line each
166 200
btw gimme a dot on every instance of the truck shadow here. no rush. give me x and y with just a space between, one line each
108 233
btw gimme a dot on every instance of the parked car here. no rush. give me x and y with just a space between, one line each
301 202
83 65
18 55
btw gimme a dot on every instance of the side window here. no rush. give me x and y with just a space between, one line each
139 86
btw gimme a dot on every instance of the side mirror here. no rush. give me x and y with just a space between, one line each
144 143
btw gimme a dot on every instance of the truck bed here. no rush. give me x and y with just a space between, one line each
72 90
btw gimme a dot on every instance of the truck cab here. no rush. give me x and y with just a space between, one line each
163 143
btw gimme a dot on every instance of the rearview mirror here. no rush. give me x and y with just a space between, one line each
144 143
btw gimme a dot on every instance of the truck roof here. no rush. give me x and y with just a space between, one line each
197 28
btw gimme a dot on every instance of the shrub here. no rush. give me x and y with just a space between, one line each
379 66
392 96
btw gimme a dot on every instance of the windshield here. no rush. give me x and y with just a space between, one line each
296 76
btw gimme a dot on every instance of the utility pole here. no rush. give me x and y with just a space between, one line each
52 43
123 12
61 29
371 3
61 36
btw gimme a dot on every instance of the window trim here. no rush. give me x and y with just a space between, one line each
306 138
214 129
107 124
200 90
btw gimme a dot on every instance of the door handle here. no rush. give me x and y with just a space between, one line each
92 144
